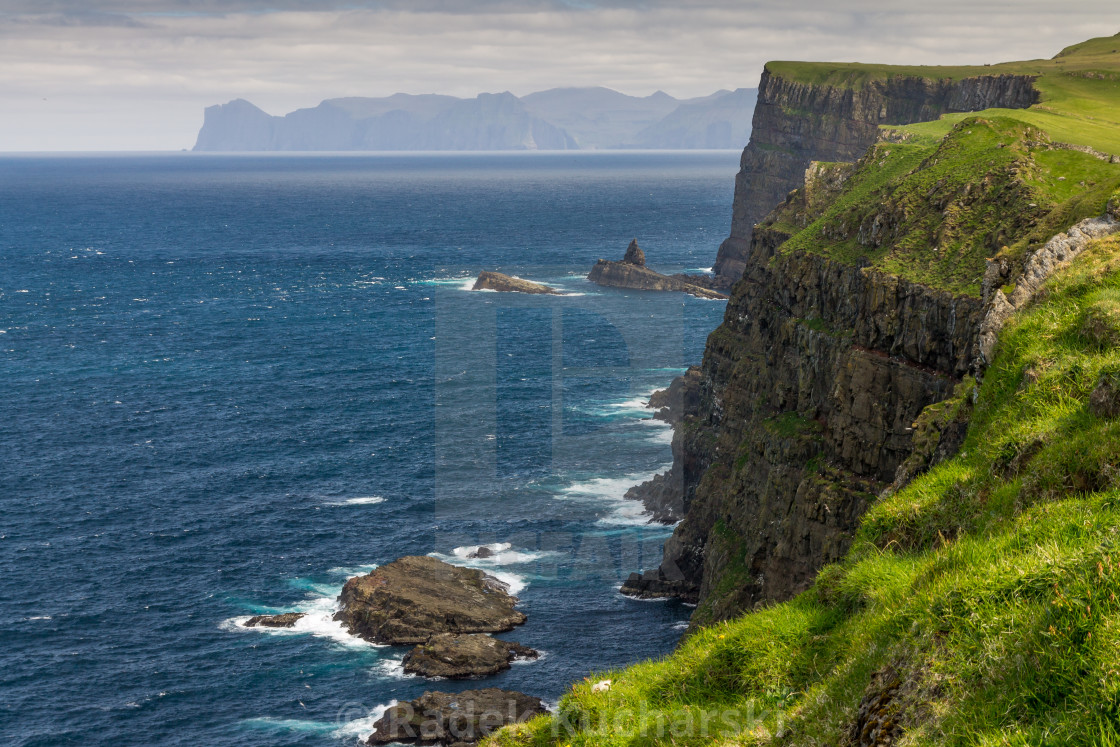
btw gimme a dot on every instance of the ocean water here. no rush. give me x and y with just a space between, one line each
232 382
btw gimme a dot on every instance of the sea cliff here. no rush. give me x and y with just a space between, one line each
897 462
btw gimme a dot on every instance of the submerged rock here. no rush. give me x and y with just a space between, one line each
286 620
413 598
457 719
459 656
496 281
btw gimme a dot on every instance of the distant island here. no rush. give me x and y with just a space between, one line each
557 119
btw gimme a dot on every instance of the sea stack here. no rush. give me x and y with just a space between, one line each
632 272
634 254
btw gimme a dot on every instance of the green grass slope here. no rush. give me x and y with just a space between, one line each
979 605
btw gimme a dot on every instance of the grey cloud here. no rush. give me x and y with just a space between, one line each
83 18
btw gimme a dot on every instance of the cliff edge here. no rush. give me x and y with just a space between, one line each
832 113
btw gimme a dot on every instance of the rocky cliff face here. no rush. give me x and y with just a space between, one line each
803 412
871 293
796 123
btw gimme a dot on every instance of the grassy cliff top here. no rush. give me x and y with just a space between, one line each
980 605
1079 87
935 209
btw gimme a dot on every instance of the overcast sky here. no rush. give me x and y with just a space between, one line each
137 74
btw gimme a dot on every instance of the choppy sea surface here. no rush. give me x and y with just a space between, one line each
232 382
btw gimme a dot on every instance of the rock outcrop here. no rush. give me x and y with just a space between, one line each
1039 265
454 719
285 620
632 272
634 254
462 656
413 598
496 281
796 123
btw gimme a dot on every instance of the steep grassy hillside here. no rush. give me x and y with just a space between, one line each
979 605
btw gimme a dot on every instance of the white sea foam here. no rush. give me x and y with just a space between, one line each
514 582
502 553
362 727
318 613
628 513
394 668
291 724
613 490
349 571
363 500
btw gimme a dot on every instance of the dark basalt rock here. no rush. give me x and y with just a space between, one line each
482 552
413 598
286 620
655 584
454 719
461 656
497 281
634 254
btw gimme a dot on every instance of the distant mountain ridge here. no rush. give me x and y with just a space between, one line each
557 119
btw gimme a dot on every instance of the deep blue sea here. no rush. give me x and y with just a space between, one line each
232 382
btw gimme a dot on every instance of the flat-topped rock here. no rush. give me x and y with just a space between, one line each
285 620
460 656
413 598
497 281
454 719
